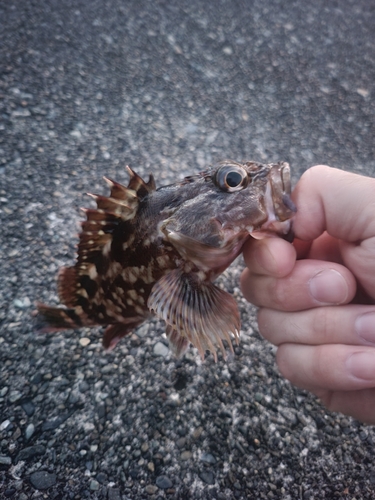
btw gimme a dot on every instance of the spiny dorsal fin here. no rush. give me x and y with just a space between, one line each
137 187
125 209
120 192
141 187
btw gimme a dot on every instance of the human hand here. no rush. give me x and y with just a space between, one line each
317 295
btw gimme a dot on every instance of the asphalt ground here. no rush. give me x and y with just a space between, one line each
168 88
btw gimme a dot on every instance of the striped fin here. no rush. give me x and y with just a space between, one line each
196 310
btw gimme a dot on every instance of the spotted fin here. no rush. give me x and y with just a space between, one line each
195 310
51 319
114 333
78 284
141 187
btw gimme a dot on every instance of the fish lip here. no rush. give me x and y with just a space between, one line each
281 189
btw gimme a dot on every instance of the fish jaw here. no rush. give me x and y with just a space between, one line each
279 206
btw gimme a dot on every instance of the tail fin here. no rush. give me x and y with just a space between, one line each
50 319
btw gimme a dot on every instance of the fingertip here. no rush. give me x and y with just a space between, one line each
270 256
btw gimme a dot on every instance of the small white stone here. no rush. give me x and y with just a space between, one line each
228 50
161 349
30 429
4 425
363 92
84 341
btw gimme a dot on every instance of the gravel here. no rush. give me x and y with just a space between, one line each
167 87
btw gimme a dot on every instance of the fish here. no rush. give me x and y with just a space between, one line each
146 251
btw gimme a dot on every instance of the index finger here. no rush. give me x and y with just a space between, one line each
269 256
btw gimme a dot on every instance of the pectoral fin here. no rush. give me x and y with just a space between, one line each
178 343
195 310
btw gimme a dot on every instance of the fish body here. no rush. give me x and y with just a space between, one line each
146 251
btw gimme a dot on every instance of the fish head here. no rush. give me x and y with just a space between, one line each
228 204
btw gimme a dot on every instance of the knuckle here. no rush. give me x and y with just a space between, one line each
283 294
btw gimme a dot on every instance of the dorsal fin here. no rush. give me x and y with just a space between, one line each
120 192
141 187
125 209
95 240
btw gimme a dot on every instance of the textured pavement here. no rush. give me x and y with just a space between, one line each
168 88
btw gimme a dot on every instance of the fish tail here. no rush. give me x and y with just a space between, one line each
51 319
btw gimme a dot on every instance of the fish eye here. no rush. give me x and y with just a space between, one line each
231 178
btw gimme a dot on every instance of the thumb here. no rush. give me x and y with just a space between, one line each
343 204
332 200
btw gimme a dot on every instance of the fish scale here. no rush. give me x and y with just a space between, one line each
146 251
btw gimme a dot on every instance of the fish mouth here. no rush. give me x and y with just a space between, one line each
281 189
279 205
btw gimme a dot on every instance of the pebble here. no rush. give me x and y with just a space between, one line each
4 425
186 455
22 303
101 477
151 489
15 396
30 452
181 442
208 458
83 386
163 482
197 432
161 349
42 480
29 408
84 341
94 485
30 429
207 477
50 425
20 113
5 460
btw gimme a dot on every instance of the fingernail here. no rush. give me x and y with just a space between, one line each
362 365
365 326
329 287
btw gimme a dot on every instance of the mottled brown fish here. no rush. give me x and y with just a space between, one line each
145 250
